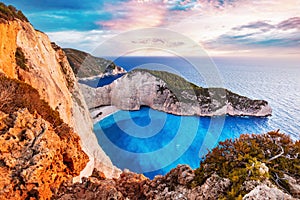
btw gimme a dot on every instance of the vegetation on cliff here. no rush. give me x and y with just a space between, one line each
38 150
85 65
179 92
20 59
16 95
263 157
8 13
176 83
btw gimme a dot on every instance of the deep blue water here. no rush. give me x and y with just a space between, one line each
100 82
153 142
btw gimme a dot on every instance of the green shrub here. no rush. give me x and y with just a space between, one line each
241 159
15 95
20 59
10 13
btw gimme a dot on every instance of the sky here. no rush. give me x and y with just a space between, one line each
252 28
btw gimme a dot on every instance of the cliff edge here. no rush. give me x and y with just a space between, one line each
172 94
86 66
28 55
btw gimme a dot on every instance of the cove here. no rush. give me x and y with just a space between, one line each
153 142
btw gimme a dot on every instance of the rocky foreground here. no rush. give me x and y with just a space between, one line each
172 186
172 94
36 156
251 167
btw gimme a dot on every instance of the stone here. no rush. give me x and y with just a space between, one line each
263 169
265 192
294 186
213 187
33 166
173 185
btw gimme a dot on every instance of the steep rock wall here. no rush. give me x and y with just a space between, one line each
35 157
142 88
49 72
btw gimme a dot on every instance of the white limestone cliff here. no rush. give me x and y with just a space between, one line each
142 88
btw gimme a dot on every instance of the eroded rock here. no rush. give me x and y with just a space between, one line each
35 158
48 71
144 88
265 192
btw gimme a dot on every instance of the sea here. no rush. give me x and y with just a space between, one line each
153 142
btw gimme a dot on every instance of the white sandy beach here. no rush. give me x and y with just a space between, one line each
102 112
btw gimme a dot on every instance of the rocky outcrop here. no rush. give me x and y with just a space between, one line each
232 170
265 192
172 94
174 185
28 55
35 156
132 186
294 185
135 186
87 66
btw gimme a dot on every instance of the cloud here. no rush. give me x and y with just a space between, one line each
263 26
82 40
38 5
134 14
63 15
50 21
285 34
292 23
186 5
160 42
220 25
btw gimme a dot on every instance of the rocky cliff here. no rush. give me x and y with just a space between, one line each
27 55
35 156
87 66
172 94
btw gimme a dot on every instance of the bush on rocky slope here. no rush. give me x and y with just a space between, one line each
252 158
38 151
85 65
15 94
20 59
10 13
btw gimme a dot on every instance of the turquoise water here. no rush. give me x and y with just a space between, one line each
153 142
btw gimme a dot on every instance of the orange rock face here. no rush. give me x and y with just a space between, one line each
8 46
35 158
48 71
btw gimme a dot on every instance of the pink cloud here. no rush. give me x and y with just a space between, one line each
208 20
292 23
135 14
